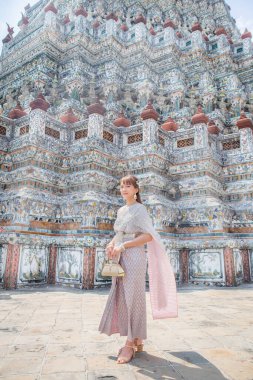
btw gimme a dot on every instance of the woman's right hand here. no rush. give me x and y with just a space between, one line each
109 250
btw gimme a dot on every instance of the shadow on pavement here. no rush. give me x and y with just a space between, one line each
182 365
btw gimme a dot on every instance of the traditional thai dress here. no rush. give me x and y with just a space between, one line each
125 310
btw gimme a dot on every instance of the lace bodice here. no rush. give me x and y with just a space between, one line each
131 220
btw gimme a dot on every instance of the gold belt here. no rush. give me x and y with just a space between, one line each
123 236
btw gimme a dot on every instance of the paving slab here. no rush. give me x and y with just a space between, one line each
61 364
52 334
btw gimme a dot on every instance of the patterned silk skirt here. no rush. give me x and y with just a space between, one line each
125 310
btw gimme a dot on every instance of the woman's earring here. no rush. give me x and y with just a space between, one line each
135 196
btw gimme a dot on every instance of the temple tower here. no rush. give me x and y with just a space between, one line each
93 90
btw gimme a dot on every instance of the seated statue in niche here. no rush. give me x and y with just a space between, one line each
176 103
25 97
100 7
192 102
58 214
9 102
206 83
208 104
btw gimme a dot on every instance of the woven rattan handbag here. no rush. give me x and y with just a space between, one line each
111 269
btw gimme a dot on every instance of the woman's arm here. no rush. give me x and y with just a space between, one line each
109 248
139 240
112 242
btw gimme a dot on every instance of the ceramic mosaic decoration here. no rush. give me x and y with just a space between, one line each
93 90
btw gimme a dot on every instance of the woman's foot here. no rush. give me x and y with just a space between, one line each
138 344
126 353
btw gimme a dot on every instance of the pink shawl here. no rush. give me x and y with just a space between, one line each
162 285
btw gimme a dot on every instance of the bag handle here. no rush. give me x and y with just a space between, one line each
111 261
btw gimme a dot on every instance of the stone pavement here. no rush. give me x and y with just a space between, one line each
51 333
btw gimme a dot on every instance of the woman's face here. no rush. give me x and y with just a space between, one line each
127 191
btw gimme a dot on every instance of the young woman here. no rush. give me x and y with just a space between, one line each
125 310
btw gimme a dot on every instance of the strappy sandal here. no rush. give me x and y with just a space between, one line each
139 347
126 360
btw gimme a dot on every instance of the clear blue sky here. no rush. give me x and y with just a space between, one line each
241 10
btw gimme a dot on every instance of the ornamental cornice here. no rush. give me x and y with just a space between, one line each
171 240
230 136
245 63
37 42
57 53
24 37
26 55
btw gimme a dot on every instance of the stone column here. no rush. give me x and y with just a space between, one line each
223 44
111 27
247 42
184 265
197 37
37 122
200 120
169 32
150 126
245 127
96 120
122 122
229 267
81 20
51 17
88 268
51 278
246 265
11 267
246 140
140 28
37 116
